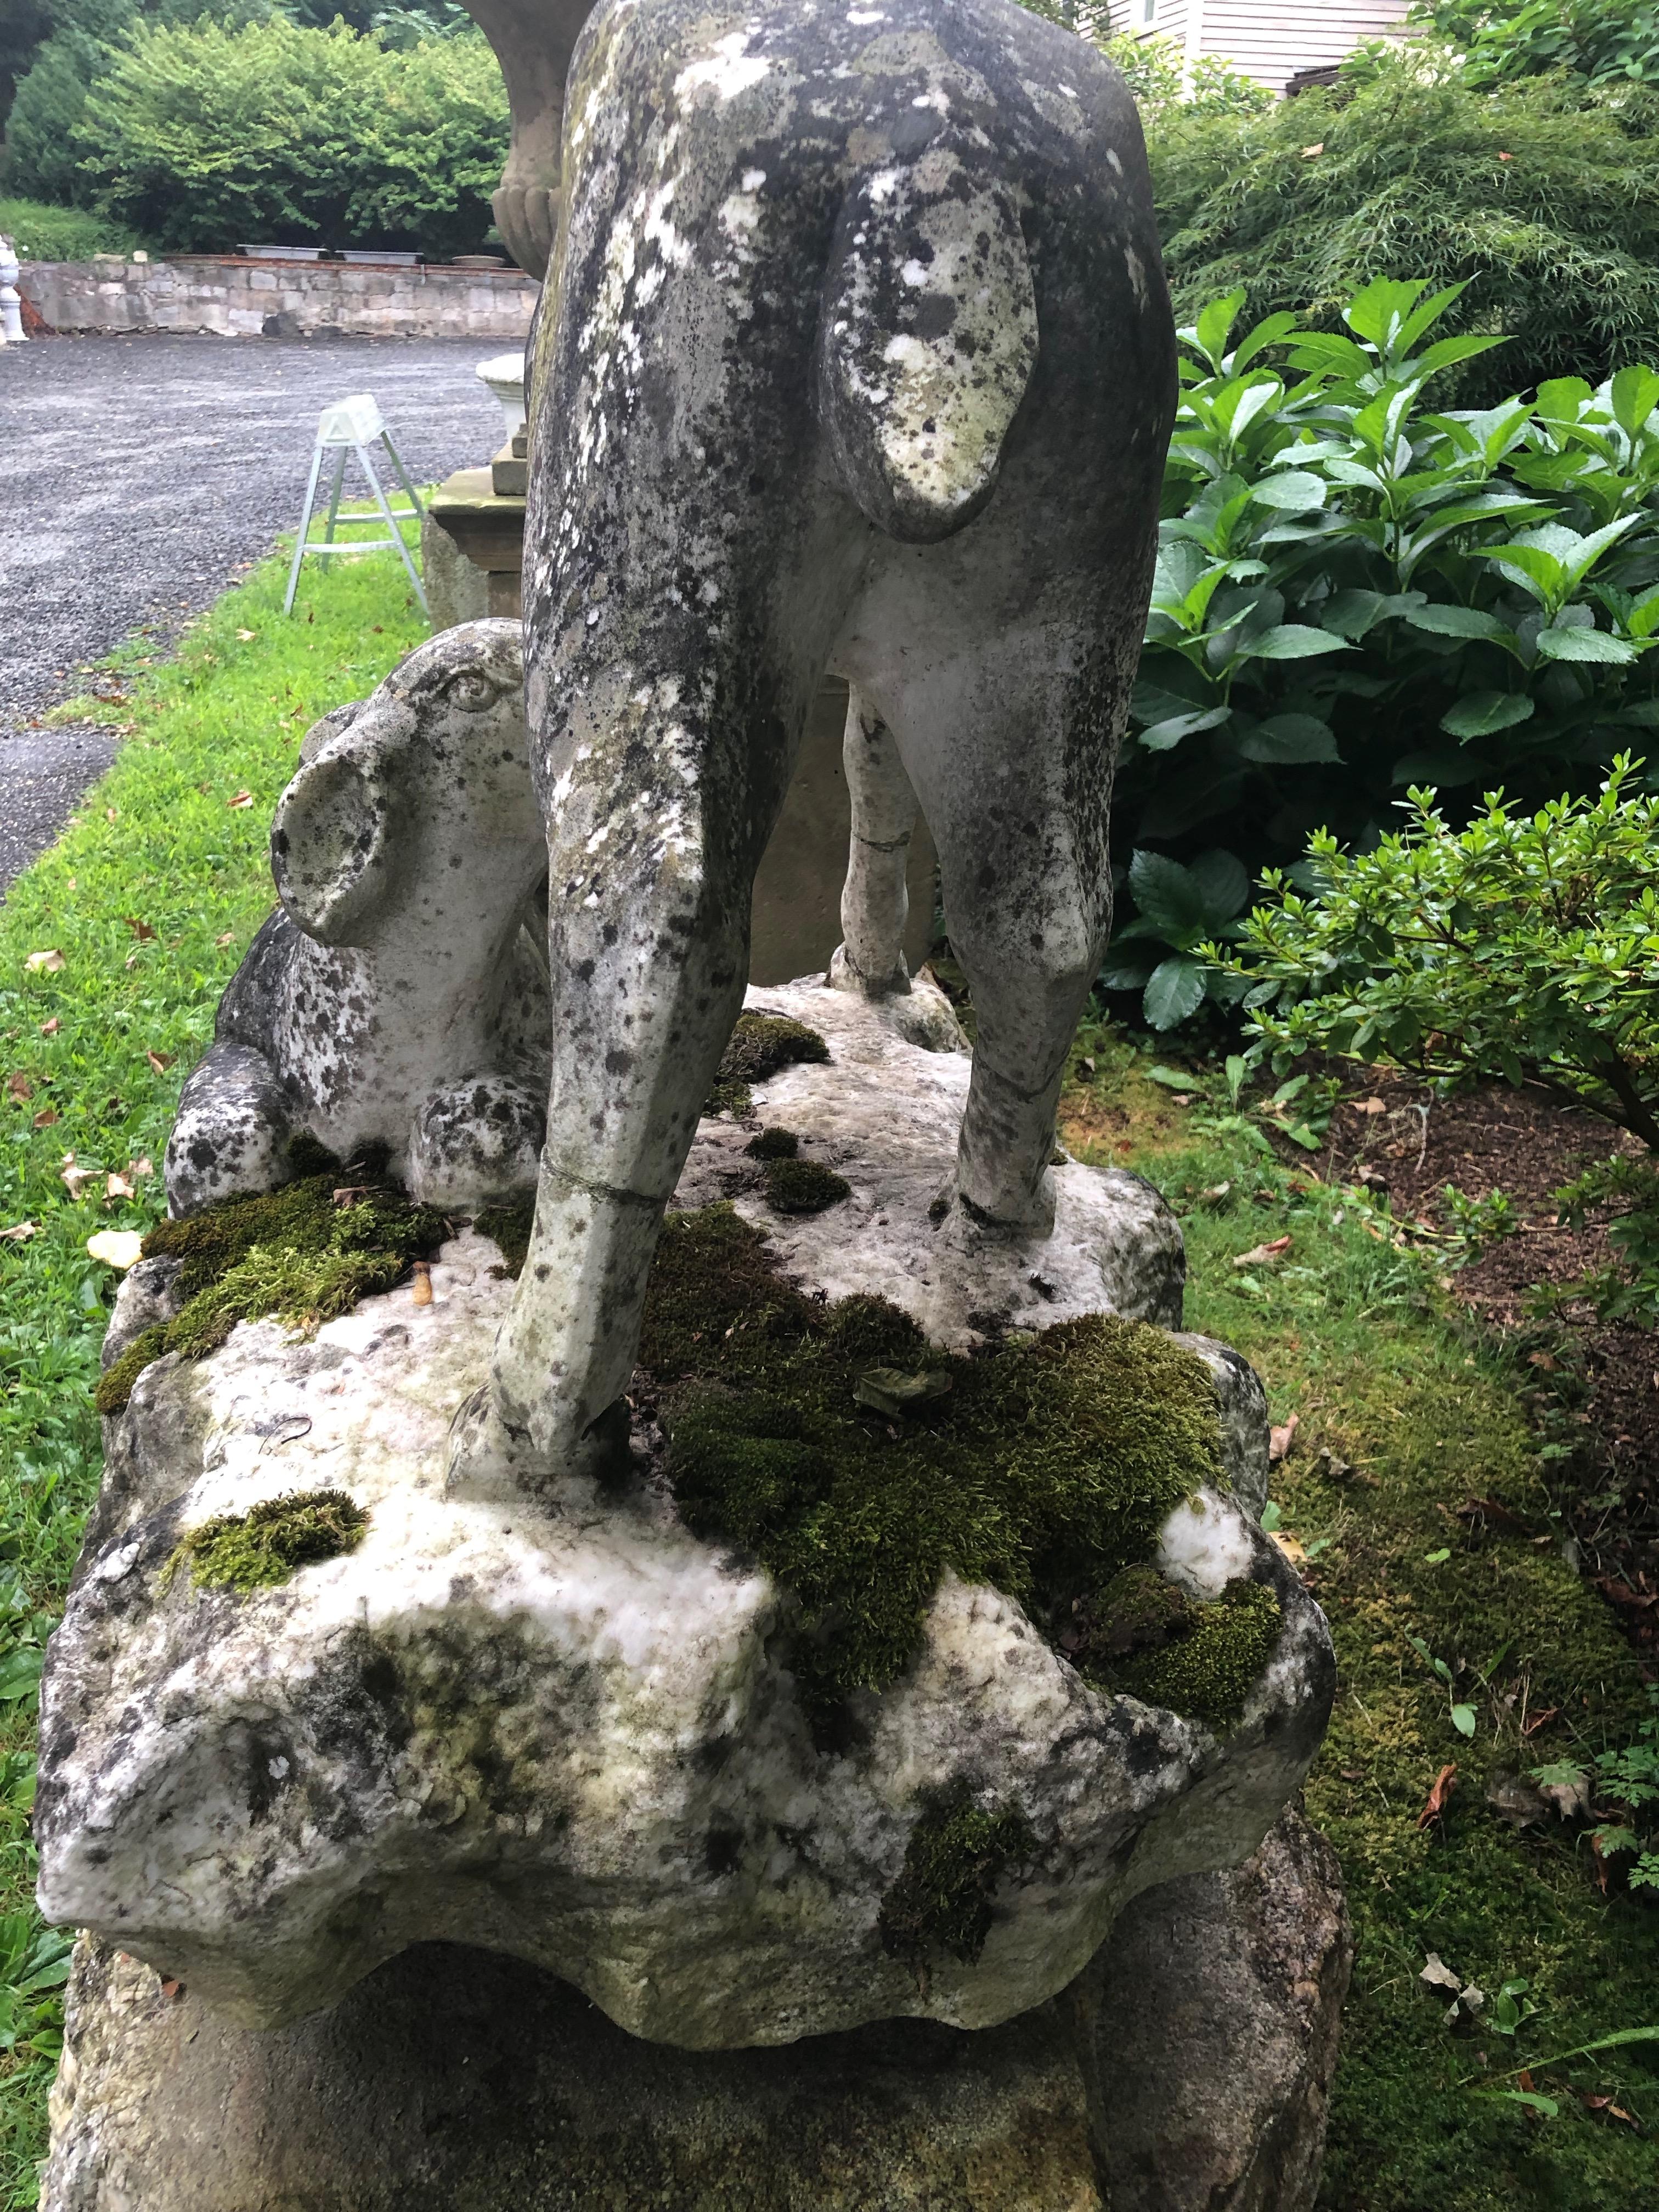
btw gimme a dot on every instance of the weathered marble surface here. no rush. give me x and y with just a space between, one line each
395 995
528 1726
461 2081
856 355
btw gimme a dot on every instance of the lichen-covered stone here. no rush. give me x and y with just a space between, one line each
857 358
1187 2070
570 1729
389 1001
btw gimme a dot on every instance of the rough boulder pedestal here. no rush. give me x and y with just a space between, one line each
1188 2070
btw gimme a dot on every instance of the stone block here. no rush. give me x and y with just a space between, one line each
262 280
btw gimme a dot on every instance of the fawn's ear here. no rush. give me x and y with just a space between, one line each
926 341
329 841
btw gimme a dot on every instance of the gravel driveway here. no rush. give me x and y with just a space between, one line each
139 473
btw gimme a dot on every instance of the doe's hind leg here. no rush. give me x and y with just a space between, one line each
875 901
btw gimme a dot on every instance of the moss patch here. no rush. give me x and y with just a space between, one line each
759 1046
257 1549
1045 1468
1206 1666
803 1187
508 1227
1406 1417
774 1145
958 1853
305 1254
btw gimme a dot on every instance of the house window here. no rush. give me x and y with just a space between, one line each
1149 11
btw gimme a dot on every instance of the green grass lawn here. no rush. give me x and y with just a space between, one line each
149 900
1356 1336
144 907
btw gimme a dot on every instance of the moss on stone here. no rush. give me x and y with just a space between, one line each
760 1044
1047 1466
306 1252
774 1145
958 1853
115 1383
509 1227
266 1545
1206 1669
803 1187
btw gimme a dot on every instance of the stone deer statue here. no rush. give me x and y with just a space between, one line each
856 354
393 999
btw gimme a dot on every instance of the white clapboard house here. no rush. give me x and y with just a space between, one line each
1272 40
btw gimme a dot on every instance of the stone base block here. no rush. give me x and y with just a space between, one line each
1187 2071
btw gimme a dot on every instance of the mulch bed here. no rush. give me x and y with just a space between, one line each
1594 1386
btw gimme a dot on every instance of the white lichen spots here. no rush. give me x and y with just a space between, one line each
881 188
1204 1544
597 839
1133 262
728 70
935 100
753 180
914 273
1070 91
865 15
709 591
1115 163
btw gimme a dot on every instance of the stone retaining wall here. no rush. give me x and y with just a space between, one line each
235 298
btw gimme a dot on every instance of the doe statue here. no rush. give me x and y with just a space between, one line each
857 356
394 999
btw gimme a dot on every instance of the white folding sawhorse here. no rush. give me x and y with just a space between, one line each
349 426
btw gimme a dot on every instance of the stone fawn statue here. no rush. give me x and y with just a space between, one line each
856 353
391 998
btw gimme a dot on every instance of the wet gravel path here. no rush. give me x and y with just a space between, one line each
139 474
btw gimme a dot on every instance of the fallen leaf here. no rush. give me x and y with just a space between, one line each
1540 1720
1434 1809
1620 1594
19 1232
1506 157
422 1291
1546 1360
48 963
1215 1192
117 1186
225 937
77 1179
140 1168
1491 1509
51 1028
1516 1801
242 799
1308 152
141 930
1279 1440
18 1086
117 1247
173 1989
45 1117
1369 1106
1291 1547
1263 1255
1438 1975
161 1061
892 1391
1085 1064
131 960
246 635
1352 1773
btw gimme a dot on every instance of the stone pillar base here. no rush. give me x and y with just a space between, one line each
1188 2070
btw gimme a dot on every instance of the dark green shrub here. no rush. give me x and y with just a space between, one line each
1356 594
61 233
1541 197
1608 42
1524 947
202 136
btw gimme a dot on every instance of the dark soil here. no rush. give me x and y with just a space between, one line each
1592 1388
